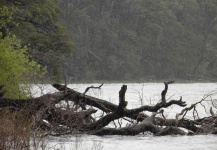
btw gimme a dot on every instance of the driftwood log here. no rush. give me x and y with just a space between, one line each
57 119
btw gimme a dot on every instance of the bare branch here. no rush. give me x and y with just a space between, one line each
92 87
185 110
164 92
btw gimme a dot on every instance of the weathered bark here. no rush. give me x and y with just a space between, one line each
134 129
171 131
147 125
78 97
184 123
33 104
109 107
118 113
164 92
68 120
44 108
208 125
71 119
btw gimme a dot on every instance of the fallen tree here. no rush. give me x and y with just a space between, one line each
52 118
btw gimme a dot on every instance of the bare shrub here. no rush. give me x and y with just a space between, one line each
14 130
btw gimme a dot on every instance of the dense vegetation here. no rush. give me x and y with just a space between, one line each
31 42
116 39
141 39
16 66
35 24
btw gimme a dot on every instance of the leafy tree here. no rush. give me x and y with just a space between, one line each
6 20
16 67
38 28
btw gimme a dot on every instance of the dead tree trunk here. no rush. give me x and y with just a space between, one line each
68 120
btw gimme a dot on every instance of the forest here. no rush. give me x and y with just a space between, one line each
75 41
141 39
113 40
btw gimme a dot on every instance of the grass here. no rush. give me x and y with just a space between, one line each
14 131
17 133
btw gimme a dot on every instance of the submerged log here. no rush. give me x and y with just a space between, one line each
71 119
67 120
133 129
107 107
147 125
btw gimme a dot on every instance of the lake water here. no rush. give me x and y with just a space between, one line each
150 93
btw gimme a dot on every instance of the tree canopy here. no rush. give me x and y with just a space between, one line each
37 27
16 66
132 40
31 39
116 39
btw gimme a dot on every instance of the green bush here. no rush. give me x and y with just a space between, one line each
16 66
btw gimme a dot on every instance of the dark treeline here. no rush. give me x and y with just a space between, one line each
36 24
116 39
141 39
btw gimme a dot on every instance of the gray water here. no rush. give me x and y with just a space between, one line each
150 93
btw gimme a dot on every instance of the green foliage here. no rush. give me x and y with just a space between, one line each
141 39
6 20
16 68
37 27
5 16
